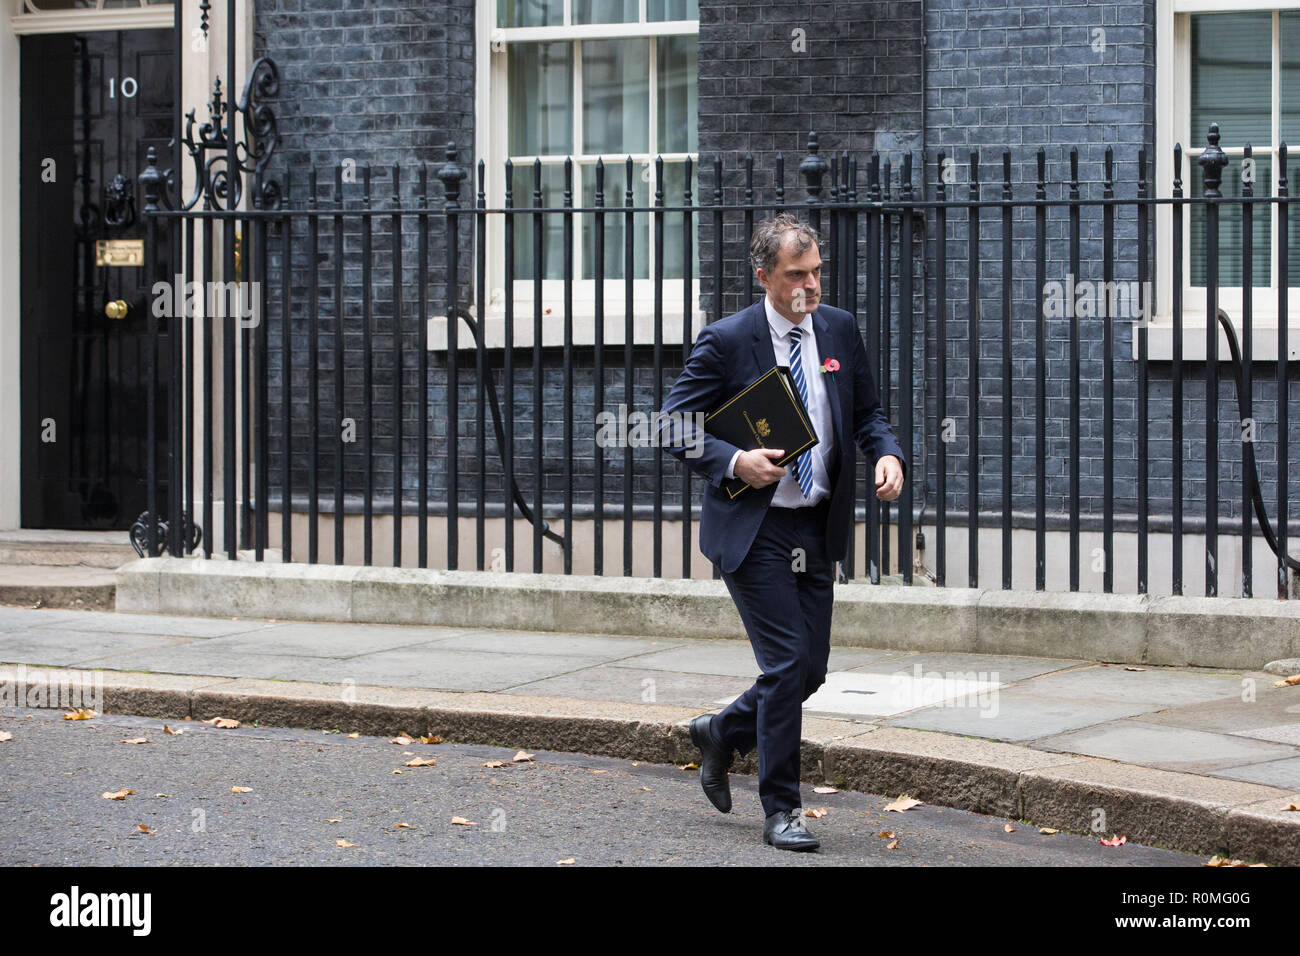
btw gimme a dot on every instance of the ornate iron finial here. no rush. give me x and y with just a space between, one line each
451 175
1213 161
204 7
813 169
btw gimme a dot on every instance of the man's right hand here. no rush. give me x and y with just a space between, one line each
758 467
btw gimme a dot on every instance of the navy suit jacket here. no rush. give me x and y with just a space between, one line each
730 354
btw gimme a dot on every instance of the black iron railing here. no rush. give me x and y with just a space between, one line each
334 272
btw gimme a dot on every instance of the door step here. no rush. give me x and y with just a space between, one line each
96 549
66 586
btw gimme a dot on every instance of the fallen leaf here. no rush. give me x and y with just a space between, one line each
399 771
886 834
343 843
462 822
226 723
120 795
1225 861
891 845
430 739
241 789
521 756
569 862
136 740
146 829
162 794
402 740
825 790
1135 668
689 766
334 821
5 735
1292 806
600 771
168 730
421 762
645 788
399 826
903 803
816 812
81 713
1292 681
353 736
1047 830
495 763
1114 841
1008 829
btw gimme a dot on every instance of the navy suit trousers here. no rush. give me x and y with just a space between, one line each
784 591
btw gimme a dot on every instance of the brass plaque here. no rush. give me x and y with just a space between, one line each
119 252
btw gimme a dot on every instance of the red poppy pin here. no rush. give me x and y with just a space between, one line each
830 365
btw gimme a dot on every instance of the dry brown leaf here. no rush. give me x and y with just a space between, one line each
886 834
5 735
400 826
80 713
891 845
1008 829
521 756
421 762
645 788
168 730
903 803
1292 681
226 723
825 790
689 766
241 789
353 736
1047 830
462 822
136 740
816 812
334 821
343 843
1114 840
162 794
600 771
120 795
147 829
402 740
495 763
188 717
430 739
569 862
399 771
1291 806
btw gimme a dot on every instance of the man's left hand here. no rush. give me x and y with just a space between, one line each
889 477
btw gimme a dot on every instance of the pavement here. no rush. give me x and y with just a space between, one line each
1191 759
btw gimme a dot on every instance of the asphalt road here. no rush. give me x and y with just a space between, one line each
310 789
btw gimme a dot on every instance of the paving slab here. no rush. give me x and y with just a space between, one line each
623 682
1249 714
1167 748
995 667
596 646
1273 773
171 625
441 668
1019 716
1158 687
196 657
64 647
736 658
326 639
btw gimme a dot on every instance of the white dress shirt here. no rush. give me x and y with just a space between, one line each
788 494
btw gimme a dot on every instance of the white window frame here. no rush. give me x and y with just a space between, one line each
1173 112
491 144
30 17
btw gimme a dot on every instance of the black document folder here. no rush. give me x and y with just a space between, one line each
767 413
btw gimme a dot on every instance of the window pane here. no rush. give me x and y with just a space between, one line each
678 74
656 10
541 94
674 183
1232 70
1231 226
1290 82
615 233
615 96
604 11
552 223
530 13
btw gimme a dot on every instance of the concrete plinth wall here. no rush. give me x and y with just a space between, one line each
1139 629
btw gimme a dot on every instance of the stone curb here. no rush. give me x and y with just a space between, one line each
1178 811
1116 628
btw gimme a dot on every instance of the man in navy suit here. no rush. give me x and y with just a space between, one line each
776 543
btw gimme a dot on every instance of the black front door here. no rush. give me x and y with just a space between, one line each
92 105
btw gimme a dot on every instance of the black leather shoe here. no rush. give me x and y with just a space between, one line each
715 760
785 830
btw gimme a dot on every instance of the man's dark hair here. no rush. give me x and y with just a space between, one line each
771 235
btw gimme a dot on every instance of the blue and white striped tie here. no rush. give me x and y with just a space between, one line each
803 465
